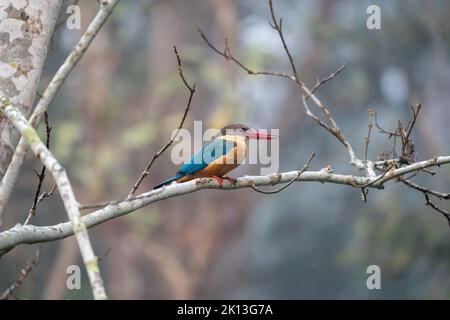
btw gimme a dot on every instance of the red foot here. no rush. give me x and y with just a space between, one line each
219 180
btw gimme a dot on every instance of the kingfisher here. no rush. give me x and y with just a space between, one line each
219 156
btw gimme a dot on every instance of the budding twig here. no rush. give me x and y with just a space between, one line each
38 197
191 89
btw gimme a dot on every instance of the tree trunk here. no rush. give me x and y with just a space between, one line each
26 27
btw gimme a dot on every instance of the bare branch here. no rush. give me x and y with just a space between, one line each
277 25
65 189
227 54
333 127
41 176
31 234
10 177
23 275
443 212
321 82
191 89
368 166
415 112
427 192
440 195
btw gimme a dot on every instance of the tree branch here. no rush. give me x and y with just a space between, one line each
333 128
22 276
305 167
32 234
41 176
26 31
65 190
12 173
191 89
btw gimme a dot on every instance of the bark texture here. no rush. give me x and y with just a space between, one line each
26 27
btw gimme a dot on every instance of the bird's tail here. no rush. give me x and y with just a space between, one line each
168 181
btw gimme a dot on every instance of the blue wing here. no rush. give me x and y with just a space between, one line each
209 152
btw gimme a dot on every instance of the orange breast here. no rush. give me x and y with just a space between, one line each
224 164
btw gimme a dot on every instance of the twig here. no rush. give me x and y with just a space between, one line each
444 213
333 128
316 118
408 155
22 276
378 178
322 81
368 166
415 116
65 189
369 172
191 89
305 167
381 130
427 192
227 54
12 173
41 176
440 195
278 26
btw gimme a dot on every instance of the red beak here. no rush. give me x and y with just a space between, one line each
259 134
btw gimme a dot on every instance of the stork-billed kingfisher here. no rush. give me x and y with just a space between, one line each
219 156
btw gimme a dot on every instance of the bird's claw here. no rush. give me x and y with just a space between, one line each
219 180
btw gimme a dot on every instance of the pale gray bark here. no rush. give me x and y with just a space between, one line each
32 234
65 190
12 172
26 27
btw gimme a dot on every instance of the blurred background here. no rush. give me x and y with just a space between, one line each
123 100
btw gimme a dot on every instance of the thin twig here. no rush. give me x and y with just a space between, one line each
305 167
379 178
41 176
227 54
333 128
367 141
415 116
22 276
440 195
381 130
169 143
278 26
322 81
444 213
